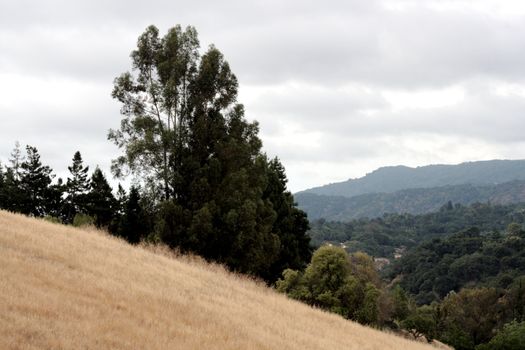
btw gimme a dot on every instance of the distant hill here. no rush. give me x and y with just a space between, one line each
395 178
413 201
393 234
67 288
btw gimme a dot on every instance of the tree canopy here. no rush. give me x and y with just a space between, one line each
184 134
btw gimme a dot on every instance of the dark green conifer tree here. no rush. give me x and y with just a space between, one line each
100 202
35 180
77 187
291 224
132 226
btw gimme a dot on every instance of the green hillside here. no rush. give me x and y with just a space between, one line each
413 201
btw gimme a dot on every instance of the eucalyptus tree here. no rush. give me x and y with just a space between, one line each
184 134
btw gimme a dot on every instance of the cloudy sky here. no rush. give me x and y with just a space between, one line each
339 88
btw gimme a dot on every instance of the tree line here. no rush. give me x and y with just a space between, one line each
382 236
206 186
29 187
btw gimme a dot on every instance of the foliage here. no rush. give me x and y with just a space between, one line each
330 282
35 180
81 219
99 201
437 267
381 237
511 337
77 186
133 221
185 136
421 322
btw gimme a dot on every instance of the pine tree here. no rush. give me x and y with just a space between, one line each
35 180
76 188
132 226
3 198
291 224
16 161
100 202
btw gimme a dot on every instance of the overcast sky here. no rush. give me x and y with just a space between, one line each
339 88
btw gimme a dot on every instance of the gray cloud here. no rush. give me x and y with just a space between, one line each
317 76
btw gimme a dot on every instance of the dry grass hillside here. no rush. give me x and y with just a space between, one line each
66 288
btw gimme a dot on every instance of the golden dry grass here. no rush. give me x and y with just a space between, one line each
67 288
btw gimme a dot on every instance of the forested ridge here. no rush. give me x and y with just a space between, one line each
395 178
412 201
381 236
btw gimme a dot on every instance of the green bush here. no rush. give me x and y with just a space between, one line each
83 220
511 337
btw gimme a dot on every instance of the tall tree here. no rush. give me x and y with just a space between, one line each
35 180
156 106
100 202
132 226
290 224
183 132
77 186
16 161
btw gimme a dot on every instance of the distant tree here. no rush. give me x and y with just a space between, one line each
55 200
511 337
328 283
132 226
16 161
400 301
471 313
100 202
35 180
421 322
2 187
77 186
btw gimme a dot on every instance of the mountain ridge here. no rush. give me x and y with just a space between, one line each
390 179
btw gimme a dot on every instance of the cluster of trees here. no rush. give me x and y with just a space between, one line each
479 317
439 266
474 318
380 237
467 289
206 185
183 133
344 284
27 186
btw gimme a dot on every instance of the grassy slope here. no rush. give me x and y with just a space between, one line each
79 289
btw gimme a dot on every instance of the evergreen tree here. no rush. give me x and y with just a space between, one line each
13 198
35 180
132 226
76 188
2 187
16 161
55 200
290 225
100 202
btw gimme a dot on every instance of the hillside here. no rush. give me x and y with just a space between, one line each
412 201
385 235
395 178
71 288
